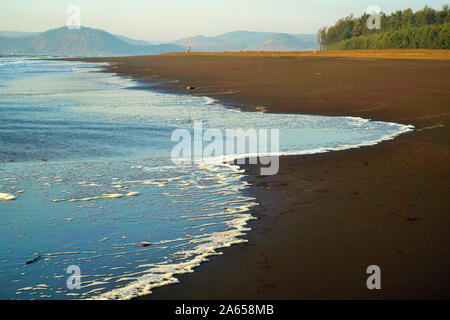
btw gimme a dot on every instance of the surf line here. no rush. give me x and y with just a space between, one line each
227 147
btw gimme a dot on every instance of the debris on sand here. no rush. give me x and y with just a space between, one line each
144 244
190 88
33 260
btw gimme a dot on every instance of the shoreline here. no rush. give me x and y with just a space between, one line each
326 217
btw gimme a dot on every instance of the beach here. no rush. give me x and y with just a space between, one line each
324 218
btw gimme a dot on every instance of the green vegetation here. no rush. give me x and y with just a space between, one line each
424 29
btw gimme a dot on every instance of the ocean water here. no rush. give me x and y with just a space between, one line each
92 179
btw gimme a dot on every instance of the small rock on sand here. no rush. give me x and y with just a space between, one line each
144 244
33 260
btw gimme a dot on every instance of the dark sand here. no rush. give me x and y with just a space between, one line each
326 217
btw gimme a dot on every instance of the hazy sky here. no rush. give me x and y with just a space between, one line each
167 20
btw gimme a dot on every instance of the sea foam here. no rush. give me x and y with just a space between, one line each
7 196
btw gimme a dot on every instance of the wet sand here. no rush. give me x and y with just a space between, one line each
326 217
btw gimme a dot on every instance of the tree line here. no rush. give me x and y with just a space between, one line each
424 29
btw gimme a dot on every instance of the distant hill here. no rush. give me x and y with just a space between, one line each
95 42
79 42
17 34
134 42
251 41
423 29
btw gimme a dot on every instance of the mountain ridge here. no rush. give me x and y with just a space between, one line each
80 42
95 42
243 40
